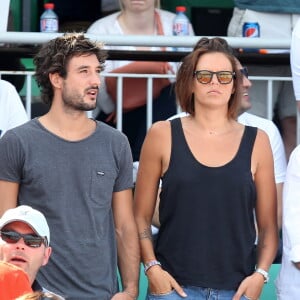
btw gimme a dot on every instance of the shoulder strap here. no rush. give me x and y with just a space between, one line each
247 144
177 133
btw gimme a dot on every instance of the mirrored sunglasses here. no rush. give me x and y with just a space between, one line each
31 240
205 76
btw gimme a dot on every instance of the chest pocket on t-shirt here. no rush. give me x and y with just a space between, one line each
102 185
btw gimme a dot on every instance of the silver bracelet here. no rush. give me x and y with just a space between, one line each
150 264
264 273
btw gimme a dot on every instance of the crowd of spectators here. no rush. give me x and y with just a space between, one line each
77 170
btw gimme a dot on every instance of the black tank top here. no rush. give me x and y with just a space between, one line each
207 232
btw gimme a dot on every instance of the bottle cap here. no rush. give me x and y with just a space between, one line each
49 5
180 8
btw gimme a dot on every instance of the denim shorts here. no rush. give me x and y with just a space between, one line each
196 293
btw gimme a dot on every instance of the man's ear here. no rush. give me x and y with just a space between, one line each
55 79
47 253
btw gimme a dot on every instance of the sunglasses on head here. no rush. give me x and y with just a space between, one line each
205 76
31 240
244 71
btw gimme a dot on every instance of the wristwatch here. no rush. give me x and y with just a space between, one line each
150 264
264 273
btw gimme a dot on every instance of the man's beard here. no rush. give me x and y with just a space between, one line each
75 101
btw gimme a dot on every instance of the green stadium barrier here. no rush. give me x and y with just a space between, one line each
29 66
143 284
269 290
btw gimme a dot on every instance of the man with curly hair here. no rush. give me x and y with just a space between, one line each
78 172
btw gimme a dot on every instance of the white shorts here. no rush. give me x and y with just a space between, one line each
271 25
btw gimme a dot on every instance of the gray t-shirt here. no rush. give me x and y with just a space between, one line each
72 184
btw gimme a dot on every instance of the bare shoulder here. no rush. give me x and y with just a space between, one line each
161 125
262 138
159 129
157 143
262 152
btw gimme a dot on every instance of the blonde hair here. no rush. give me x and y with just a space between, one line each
156 4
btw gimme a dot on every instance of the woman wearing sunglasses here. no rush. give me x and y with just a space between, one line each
214 173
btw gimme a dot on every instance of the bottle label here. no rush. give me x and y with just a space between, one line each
181 28
251 29
49 25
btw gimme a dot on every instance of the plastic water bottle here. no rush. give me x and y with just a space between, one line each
49 19
181 25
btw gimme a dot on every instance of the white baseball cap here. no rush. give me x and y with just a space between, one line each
32 217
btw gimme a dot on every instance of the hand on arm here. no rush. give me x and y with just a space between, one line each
250 287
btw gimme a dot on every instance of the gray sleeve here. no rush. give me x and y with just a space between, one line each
124 180
11 157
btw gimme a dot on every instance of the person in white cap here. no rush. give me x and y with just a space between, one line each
24 242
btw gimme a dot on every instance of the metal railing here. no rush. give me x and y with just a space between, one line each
35 38
29 74
32 38
269 99
270 81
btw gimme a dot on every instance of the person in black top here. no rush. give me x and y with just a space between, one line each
214 173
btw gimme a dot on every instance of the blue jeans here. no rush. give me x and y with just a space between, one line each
196 293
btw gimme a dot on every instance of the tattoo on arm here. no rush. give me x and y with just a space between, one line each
146 234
